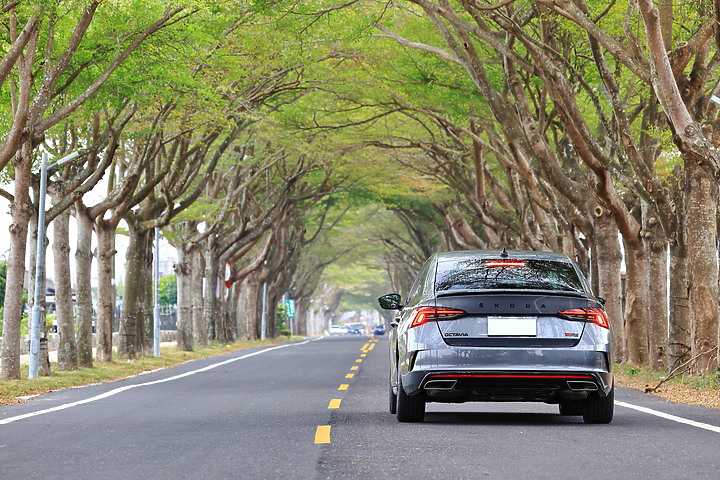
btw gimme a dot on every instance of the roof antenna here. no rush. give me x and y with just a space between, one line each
504 253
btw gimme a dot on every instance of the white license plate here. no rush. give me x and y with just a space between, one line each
512 326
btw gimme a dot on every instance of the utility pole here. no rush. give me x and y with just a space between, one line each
263 321
156 310
40 263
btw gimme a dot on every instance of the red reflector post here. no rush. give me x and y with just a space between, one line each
423 315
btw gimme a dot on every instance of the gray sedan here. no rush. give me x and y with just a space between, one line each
500 327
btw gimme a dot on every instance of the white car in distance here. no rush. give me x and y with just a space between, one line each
338 330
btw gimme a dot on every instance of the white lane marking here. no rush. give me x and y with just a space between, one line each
155 382
668 416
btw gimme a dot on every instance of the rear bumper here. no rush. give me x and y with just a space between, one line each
476 385
540 360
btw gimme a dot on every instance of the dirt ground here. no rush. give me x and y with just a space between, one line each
677 393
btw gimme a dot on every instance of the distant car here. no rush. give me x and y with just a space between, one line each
500 326
379 330
338 330
355 331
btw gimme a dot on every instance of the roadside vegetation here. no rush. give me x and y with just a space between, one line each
683 388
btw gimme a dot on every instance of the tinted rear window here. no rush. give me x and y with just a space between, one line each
482 274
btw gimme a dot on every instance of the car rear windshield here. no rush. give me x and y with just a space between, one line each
494 274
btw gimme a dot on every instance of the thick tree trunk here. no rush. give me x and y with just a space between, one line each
67 350
83 285
106 290
608 258
232 310
250 309
636 306
245 332
20 211
211 292
199 328
679 337
594 267
223 327
303 307
148 338
132 319
184 311
272 322
701 206
658 299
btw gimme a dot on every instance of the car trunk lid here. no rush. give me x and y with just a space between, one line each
512 319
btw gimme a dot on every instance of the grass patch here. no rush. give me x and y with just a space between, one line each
708 381
10 390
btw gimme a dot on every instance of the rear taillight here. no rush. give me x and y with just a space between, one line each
593 315
423 315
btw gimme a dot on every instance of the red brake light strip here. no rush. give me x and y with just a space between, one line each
505 263
509 376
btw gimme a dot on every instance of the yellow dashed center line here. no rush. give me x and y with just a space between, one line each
322 434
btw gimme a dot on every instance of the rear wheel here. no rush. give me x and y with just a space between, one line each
571 408
409 409
599 409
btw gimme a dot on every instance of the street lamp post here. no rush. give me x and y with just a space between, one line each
40 263
156 310
263 316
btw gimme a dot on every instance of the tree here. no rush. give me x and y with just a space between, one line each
168 290
52 52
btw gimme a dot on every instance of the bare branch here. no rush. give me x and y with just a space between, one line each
417 45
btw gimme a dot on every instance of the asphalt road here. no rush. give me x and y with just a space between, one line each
318 410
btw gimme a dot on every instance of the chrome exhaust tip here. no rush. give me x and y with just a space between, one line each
440 384
579 386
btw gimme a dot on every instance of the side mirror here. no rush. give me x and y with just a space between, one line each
601 301
390 301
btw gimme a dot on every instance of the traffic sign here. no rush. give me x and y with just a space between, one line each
290 304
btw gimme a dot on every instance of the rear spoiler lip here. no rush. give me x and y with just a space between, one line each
554 293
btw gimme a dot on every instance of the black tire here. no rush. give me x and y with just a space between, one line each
409 409
599 409
571 408
392 399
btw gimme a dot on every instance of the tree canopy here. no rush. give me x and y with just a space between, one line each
323 150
